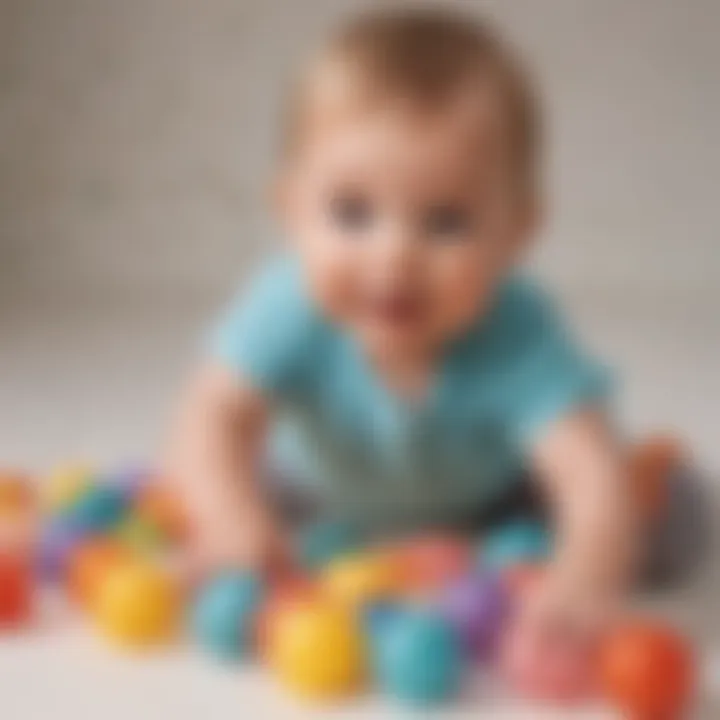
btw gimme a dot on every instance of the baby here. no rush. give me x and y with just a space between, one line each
393 363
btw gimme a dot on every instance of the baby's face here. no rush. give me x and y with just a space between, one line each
406 224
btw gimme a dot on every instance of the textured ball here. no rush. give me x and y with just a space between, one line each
138 605
97 509
287 590
64 485
477 607
224 613
521 541
88 565
16 495
358 579
648 671
323 542
56 543
431 561
16 591
419 658
162 508
318 650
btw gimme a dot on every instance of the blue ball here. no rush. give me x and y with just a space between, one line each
419 658
521 541
224 613
322 542
99 509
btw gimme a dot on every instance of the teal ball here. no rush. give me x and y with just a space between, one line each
224 612
419 658
324 541
521 541
97 510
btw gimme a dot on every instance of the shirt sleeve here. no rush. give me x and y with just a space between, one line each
552 375
268 332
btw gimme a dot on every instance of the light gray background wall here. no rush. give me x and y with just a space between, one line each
136 141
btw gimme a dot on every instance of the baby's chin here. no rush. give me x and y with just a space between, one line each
391 340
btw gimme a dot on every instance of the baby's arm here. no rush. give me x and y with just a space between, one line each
214 454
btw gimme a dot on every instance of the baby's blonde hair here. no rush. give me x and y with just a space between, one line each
423 57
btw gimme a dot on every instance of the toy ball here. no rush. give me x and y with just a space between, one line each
16 496
477 607
88 565
647 671
162 508
140 535
522 541
56 543
358 579
16 591
224 613
433 560
137 605
97 509
325 541
318 650
287 590
65 485
419 658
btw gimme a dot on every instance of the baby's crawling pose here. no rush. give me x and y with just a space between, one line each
392 361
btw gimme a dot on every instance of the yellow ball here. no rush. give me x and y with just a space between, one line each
65 485
318 649
138 604
355 580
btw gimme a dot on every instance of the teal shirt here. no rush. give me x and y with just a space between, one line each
371 455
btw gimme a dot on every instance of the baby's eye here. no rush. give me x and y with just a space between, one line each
353 213
449 222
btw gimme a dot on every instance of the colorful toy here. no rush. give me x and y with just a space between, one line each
141 535
131 482
56 543
65 485
161 508
16 591
521 541
16 495
318 650
287 590
224 614
323 542
98 508
419 658
430 561
137 605
477 607
88 565
358 579
648 672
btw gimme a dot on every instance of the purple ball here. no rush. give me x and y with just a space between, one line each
57 541
477 606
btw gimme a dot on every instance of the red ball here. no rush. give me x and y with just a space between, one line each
16 590
648 671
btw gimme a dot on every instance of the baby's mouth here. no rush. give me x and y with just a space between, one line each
397 309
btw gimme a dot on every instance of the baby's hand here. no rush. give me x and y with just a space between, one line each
552 643
257 543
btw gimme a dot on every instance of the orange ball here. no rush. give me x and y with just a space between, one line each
287 590
647 671
163 509
88 566
16 495
16 590
428 562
